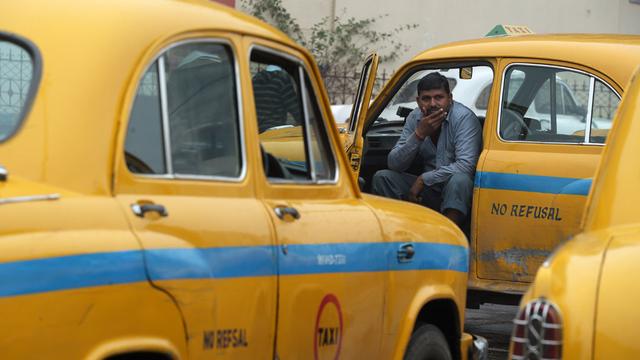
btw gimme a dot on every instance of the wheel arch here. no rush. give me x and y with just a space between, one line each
138 348
141 355
432 305
442 313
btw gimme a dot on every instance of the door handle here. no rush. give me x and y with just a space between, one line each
283 211
406 252
141 209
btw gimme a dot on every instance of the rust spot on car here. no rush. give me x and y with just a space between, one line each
519 258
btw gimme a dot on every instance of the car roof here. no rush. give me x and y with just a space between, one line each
128 19
616 56
92 55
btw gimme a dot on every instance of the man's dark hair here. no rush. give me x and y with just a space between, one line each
433 81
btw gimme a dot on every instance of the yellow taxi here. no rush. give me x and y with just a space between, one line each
583 303
546 104
145 215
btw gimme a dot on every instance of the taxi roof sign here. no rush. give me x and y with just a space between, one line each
506 30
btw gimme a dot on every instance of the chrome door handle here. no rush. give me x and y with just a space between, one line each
4 174
141 209
406 252
283 211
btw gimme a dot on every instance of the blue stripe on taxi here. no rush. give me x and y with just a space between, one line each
123 267
532 183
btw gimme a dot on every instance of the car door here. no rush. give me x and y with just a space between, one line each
535 172
183 179
331 259
354 137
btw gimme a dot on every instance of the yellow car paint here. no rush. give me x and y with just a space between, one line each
529 196
591 277
102 257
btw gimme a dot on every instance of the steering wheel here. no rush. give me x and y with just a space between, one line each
513 126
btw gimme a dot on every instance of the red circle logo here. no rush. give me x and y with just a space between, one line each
328 332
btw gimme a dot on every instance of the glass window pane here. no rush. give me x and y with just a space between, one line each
16 75
605 103
532 112
515 104
321 155
144 147
571 108
472 92
276 96
278 102
202 110
482 102
357 106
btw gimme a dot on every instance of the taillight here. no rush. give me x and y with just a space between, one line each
537 332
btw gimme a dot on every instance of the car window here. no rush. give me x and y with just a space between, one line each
533 111
569 105
407 92
605 103
184 120
18 79
473 93
482 102
145 152
565 98
322 160
293 139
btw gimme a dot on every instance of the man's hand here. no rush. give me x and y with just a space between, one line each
416 190
428 124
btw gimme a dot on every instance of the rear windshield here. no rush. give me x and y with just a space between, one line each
19 74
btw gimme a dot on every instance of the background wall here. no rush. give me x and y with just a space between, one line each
445 21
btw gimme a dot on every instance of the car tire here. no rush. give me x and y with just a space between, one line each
428 343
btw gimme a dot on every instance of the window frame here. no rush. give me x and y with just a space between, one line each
588 122
36 77
302 70
166 130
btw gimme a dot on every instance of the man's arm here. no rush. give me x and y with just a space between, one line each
408 146
468 144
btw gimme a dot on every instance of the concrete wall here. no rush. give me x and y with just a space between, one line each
445 21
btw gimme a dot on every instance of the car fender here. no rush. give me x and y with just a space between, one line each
422 298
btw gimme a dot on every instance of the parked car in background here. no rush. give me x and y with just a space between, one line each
341 112
148 214
546 104
583 302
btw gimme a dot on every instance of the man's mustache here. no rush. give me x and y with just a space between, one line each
431 110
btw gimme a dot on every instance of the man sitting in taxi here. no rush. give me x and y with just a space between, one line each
443 138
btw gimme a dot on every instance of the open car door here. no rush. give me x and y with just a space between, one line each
353 141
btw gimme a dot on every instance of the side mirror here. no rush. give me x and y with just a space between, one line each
466 73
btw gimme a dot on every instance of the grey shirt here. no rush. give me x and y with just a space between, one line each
459 146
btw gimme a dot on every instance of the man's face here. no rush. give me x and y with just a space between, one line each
432 100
